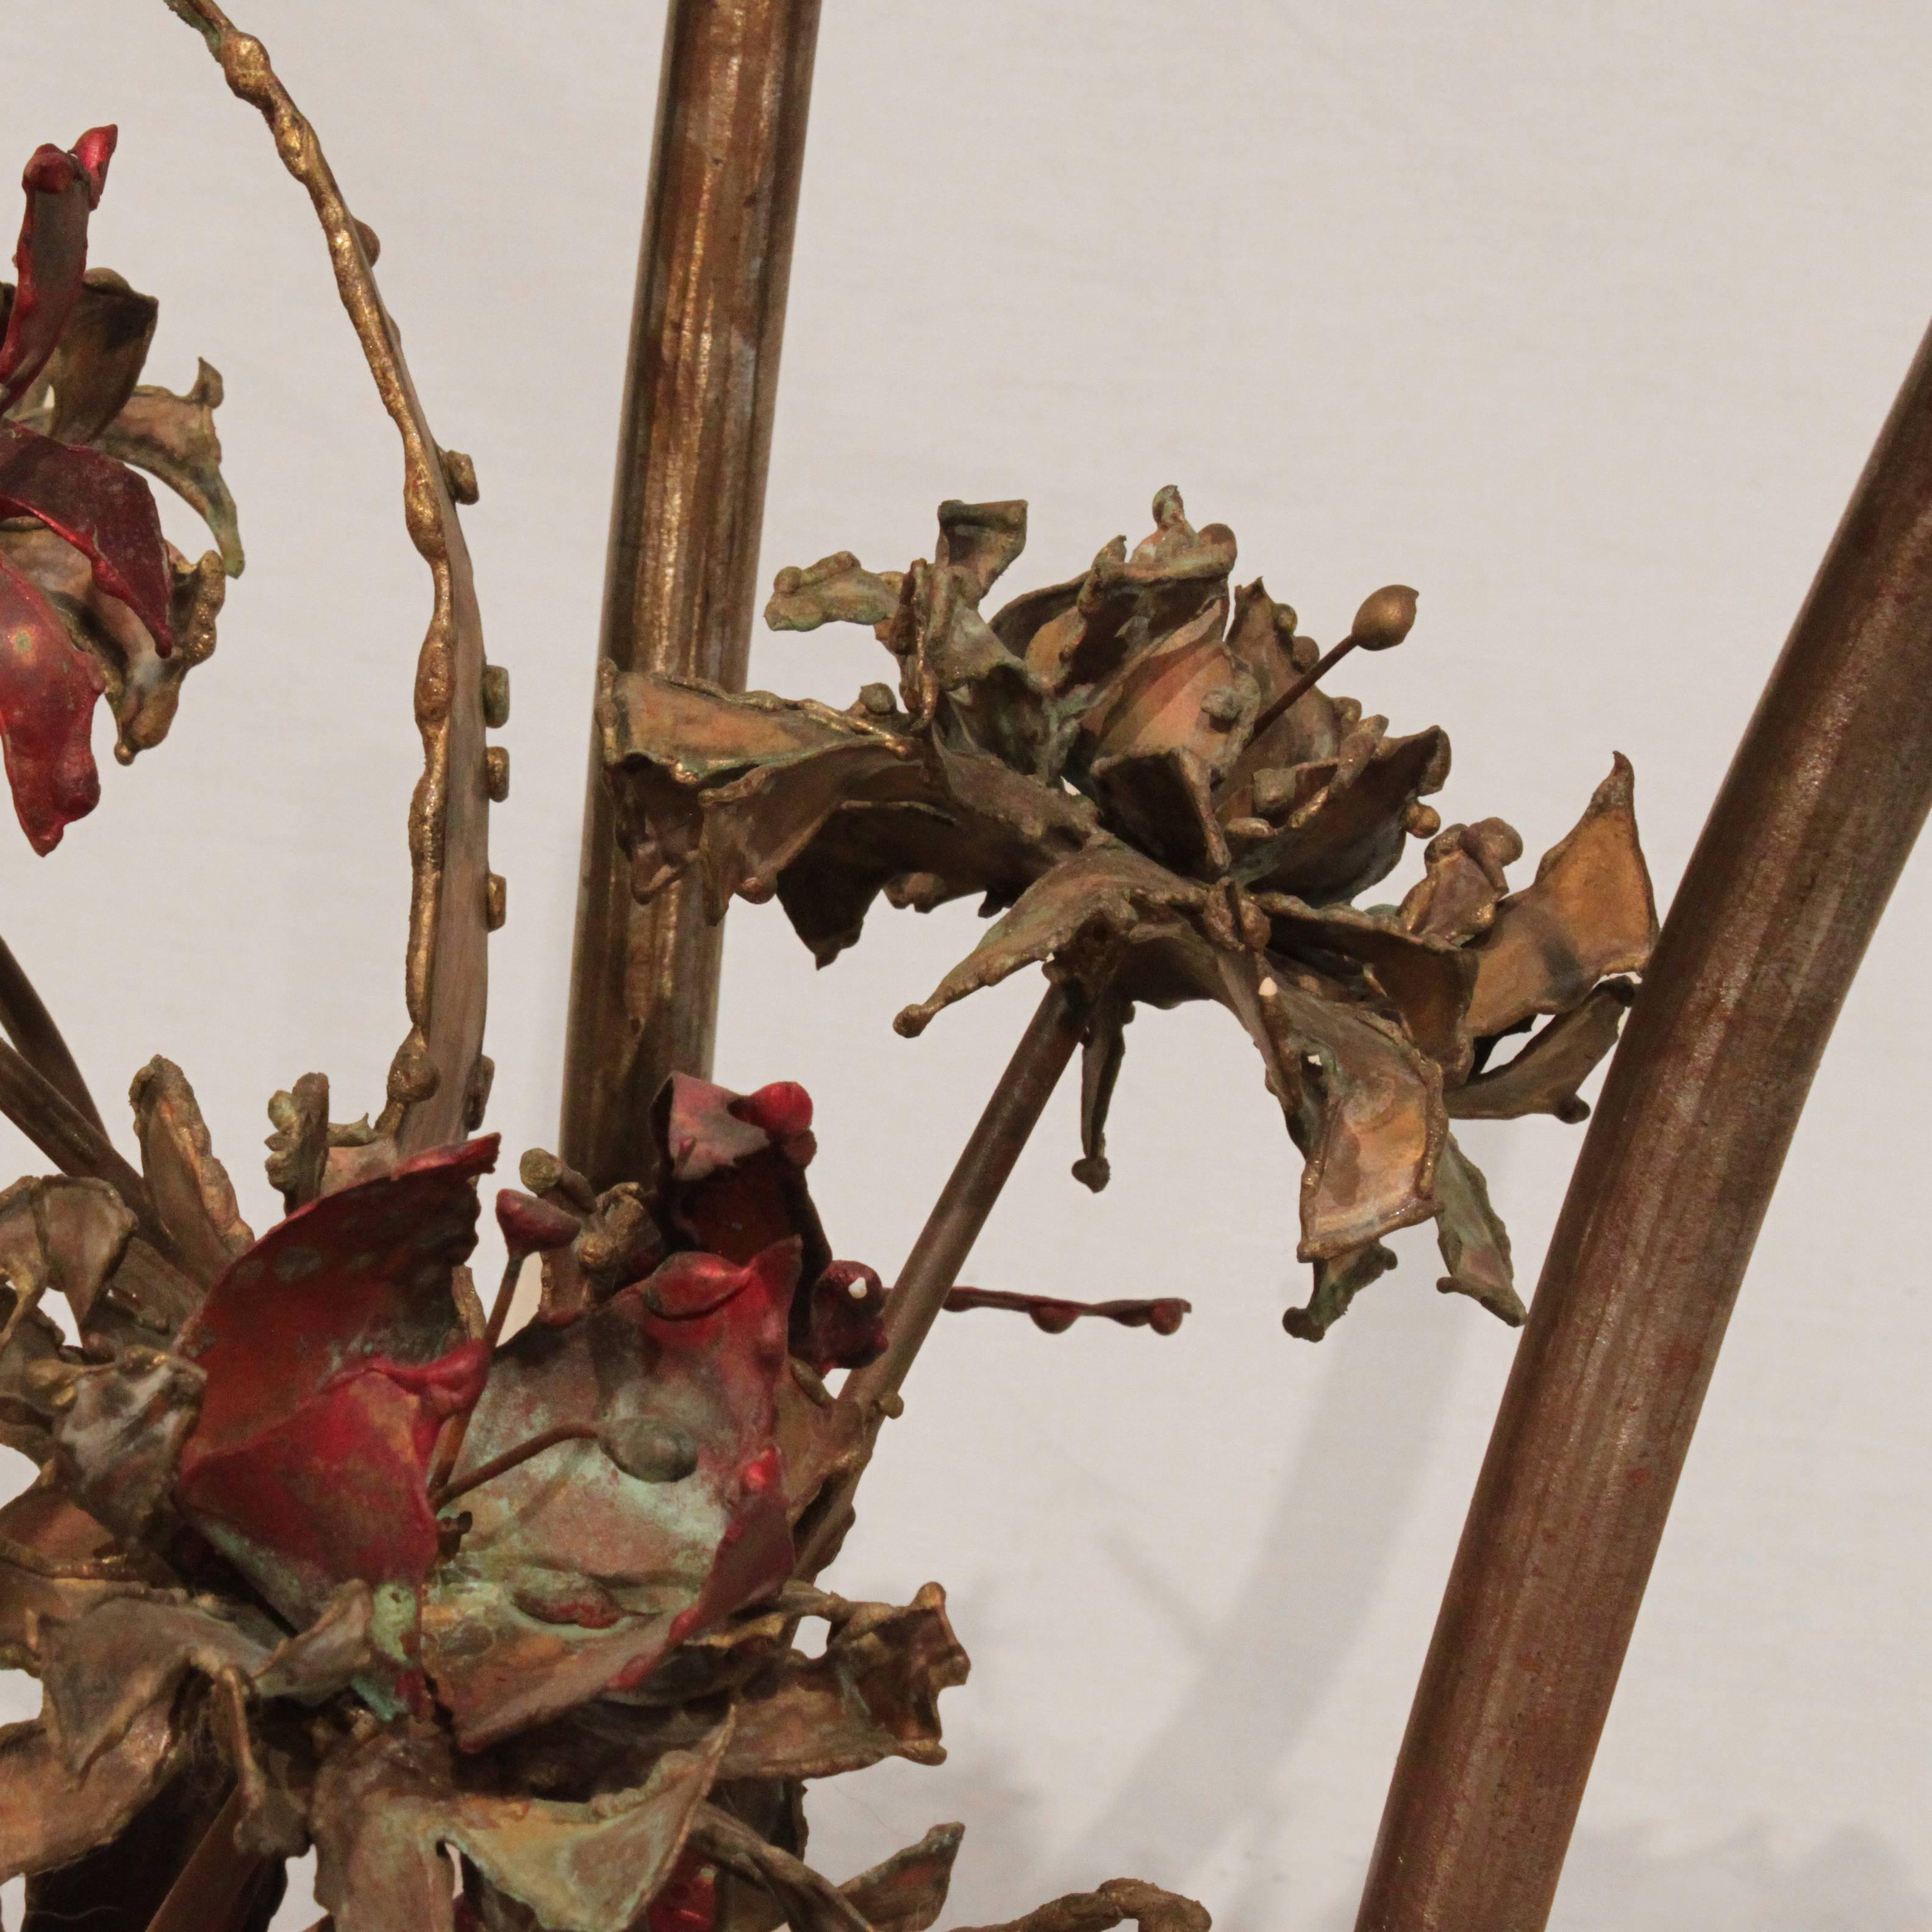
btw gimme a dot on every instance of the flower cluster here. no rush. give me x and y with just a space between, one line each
1136 771
93 598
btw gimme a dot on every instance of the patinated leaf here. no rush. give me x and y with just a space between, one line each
904 1893
872 1694
1544 1076
1465 880
387 1806
1474 1243
1337 1282
1589 914
64 1234
173 437
576 1577
98 359
1093 900
118 1431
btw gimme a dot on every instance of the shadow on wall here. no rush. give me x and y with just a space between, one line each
1852 1882
1206 1780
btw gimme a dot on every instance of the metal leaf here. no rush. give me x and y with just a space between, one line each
574 1577
1475 1245
48 1815
1544 1076
174 437
385 1808
98 358
47 693
192 1194
1589 914
1151 1909
62 188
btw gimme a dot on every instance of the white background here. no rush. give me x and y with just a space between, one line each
1581 319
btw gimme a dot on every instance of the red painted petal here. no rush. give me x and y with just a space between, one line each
532 1226
61 189
844 1327
687 1900
48 686
100 506
783 1110
337 1490
358 1276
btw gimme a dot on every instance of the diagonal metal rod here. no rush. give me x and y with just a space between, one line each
712 276
1822 805
27 1023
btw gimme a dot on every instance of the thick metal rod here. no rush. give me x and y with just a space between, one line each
1823 800
681 585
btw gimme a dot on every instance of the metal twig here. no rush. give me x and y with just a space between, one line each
28 1024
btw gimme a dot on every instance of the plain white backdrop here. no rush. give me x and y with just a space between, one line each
1581 319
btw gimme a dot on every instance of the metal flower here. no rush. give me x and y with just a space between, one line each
302 1509
1136 770
93 598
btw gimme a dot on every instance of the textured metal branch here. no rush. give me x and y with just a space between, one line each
439 1078
1822 805
712 275
28 1024
73 1142
933 1266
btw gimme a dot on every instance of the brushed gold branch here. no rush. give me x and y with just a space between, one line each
439 1080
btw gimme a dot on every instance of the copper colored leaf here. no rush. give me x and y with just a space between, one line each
1183 691
93 370
192 1194
575 1578
47 693
1094 899
1363 1106
837 589
1427 981
1054 1316
65 1234
738 786
173 437
1345 817
1474 1243
334 1349
1151 1909
50 1815
1337 1282
101 508
119 1433
873 1693
1589 914
1544 1076
129 1655
1457 898
61 188
386 1807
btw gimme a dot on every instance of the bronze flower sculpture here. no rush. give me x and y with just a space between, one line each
504 1623
1136 770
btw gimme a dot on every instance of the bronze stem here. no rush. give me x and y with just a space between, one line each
681 583
1303 685
1822 804
939 1253
456 1430
28 1024
72 1141
442 1498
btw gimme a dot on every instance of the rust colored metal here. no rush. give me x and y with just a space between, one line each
27 1024
439 1078
932 1267
219 1885
1823 801
712 276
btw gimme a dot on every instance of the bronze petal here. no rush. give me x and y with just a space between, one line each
978 540
192 1194
836 589
904 1893
386 1807
1457 898
1099 895
173 437
873 1693
65 1233
1337 1282
50 1815
1589 914
1475 1245
1543 1078
98 360
1151 1909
